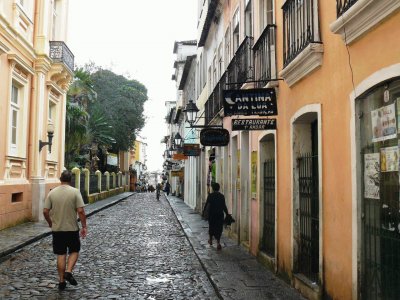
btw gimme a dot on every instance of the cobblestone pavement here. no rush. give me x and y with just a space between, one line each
134 250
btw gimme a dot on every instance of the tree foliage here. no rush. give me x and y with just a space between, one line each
121 101
104 109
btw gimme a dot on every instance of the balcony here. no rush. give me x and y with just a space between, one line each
59 52
241 68
300 28
265 57
214 103
343 5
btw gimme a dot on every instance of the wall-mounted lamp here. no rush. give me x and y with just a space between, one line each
178 140
191 111
50 134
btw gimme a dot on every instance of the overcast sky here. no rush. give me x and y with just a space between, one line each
135 38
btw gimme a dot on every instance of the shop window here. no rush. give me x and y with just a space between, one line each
378 112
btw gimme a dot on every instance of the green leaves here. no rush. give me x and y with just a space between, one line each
102 108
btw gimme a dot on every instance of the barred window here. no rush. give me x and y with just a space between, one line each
300 27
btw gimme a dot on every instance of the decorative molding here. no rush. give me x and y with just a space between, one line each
16 61
306 62
61 76
3 48
15 168
42 64
361 17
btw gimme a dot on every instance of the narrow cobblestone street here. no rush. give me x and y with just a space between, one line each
134 250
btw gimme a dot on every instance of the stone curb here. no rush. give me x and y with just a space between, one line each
183 225
5 252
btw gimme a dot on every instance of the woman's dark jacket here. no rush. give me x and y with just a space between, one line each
216 213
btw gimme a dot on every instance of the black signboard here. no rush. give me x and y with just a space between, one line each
214 137
191 149
253 124
250 102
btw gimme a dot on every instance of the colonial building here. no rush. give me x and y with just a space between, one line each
36 68
313 183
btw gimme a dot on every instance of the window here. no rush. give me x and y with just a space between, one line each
235 35
248 19
15 110
300 27
55 24
220 61
377 122
266 14
214 79
227 47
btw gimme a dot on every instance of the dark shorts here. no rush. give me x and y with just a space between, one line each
66 240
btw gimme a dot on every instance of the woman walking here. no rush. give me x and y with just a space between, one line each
216 209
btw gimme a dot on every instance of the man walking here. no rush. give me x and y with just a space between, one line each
60 211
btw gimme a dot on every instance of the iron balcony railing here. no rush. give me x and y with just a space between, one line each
343 5
59 52
214 103
244 60
298 28
265 56
241 68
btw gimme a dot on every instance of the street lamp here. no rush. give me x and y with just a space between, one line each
50 134
191 112
178 140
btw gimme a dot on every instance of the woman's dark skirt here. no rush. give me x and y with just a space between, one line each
215 227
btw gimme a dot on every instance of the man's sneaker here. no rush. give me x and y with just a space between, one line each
68 277
62 285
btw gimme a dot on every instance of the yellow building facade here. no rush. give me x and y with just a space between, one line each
36 68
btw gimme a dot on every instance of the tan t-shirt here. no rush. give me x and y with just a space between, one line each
62 203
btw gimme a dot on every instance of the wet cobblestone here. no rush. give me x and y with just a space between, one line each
134 250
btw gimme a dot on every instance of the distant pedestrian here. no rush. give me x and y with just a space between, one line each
216 209
64 202
167 188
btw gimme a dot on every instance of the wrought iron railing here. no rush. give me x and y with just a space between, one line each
82 188
103 182
215 102
93 184
308 259
244 60
265 56
232 74
59 52
268 239
343 5
298 28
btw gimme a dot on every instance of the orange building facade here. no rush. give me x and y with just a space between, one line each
317 197
36 68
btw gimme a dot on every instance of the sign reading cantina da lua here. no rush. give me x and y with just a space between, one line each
249 102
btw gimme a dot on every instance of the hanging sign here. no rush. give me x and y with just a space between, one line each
191 149
250 102
179 156
214 137
253 124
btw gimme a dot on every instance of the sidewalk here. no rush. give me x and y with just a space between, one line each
234 273
14 238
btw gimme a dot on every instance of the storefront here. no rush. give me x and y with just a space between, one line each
377 128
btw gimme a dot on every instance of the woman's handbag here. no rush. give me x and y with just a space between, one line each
206 211
229 220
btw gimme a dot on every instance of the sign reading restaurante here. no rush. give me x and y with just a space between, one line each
253 124
249 102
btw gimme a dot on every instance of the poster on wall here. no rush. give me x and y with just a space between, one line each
390 159
383 122
371 175
254 156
